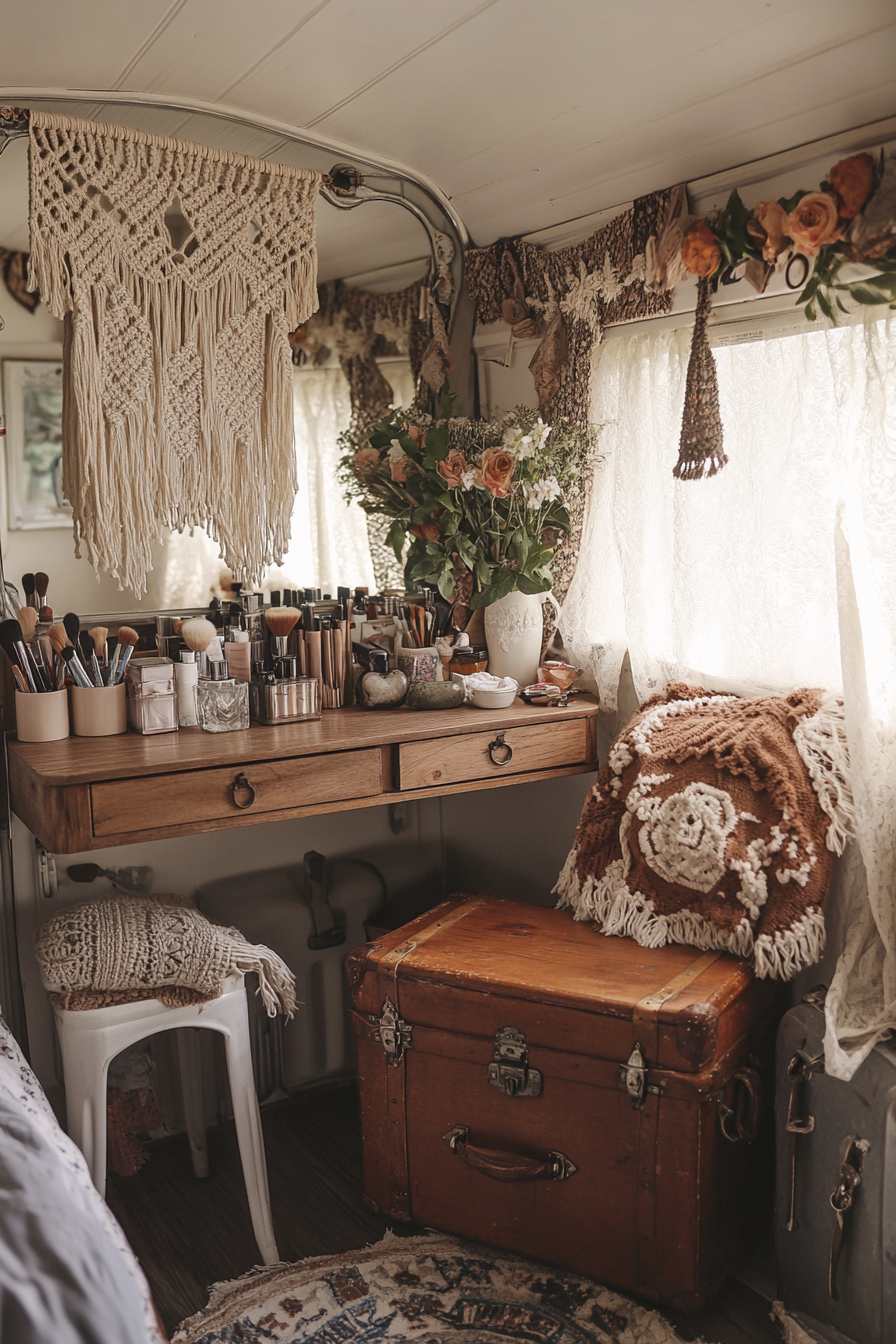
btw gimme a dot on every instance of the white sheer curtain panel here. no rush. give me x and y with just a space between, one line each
778 572
329 543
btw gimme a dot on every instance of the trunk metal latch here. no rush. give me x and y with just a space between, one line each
394 1035
510 1070
634 1074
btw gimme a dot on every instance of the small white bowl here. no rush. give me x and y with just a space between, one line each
498 699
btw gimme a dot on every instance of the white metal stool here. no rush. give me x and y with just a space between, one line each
91 1039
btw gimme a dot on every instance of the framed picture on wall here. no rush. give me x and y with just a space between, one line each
32 404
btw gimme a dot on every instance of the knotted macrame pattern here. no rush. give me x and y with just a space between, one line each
179 270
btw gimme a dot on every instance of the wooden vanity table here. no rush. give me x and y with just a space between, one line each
91 793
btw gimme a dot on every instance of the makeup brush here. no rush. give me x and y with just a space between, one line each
100 635
41 583
72 624
27 618
87 653
281 621
76 671
13 646
58 636
198 633
46 614
127 639
28 590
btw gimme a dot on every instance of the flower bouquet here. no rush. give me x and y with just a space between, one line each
480 498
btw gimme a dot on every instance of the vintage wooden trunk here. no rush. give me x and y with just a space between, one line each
528 1083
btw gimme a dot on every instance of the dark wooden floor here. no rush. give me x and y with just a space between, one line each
189 1233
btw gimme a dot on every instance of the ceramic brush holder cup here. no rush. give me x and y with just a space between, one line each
99 712
41 718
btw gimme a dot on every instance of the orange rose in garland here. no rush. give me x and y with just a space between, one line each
365 460
852 180
814 223
700 251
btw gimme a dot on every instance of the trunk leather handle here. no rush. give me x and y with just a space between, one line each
502 1165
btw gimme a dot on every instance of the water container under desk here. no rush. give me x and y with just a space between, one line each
272 907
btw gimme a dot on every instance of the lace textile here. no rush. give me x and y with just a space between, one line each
179 271
780 571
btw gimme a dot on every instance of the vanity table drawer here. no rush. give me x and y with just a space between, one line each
156 801
453 760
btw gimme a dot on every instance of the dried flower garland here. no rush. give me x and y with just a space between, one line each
850 221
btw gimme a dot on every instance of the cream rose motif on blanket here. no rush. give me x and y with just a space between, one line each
714 823
683 836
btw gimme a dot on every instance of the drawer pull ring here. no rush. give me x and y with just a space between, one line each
500 745
241 785
502 1165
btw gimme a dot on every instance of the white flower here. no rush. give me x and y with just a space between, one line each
468 479
396 452
543 491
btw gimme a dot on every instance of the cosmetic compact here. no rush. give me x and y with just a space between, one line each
151 695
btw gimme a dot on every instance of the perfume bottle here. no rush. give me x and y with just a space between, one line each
222 702
186 676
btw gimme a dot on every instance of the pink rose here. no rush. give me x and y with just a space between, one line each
496 471
365 460
452 467
417 434
814 223
400 468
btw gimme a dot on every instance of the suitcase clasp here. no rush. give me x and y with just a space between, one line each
634 1075
510 1069
394 1035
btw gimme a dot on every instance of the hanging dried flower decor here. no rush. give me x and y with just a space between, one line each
701 449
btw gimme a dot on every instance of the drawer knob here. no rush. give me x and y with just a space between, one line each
241 785
499 745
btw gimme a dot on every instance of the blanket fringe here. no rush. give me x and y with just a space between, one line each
276 982
822 745
790 950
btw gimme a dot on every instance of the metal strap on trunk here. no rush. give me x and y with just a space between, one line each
396 1038
648 1008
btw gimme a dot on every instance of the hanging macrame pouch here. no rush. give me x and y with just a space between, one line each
179 271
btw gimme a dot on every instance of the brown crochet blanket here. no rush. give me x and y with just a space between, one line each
714 823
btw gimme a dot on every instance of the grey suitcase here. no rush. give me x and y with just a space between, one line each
835 1202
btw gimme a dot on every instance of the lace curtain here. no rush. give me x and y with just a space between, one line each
780 571
328 544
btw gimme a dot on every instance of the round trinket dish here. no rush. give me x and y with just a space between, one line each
487 697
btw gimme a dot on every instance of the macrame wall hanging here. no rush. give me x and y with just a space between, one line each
360 328
179 270
567 297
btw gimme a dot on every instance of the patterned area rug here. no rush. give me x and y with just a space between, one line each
423 1288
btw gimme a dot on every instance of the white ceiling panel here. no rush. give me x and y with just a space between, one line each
525 113
65 44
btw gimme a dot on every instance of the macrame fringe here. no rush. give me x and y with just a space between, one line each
276 982
625 914
701 449
823 748
791 950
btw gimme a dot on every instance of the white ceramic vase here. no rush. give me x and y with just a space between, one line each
513 631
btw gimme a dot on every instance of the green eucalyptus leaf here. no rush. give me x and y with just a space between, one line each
483 572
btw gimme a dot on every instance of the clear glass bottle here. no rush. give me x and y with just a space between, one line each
222 702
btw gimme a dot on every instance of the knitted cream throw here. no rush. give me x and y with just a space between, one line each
133 942
714 823
180 271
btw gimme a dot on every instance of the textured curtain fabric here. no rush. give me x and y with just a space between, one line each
778 572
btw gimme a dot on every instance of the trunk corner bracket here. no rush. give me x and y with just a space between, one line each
394 1035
